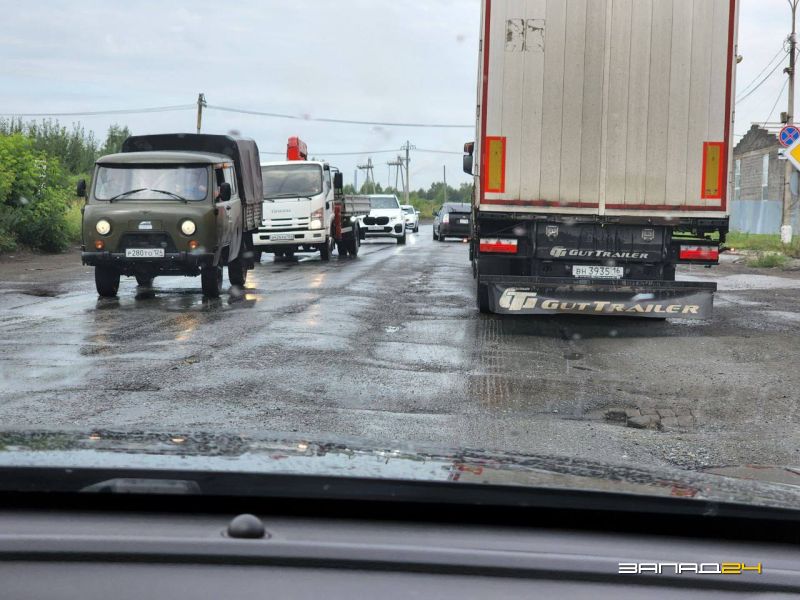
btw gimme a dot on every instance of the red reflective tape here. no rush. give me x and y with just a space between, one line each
704 253
498 246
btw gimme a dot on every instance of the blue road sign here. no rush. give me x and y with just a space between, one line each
789 135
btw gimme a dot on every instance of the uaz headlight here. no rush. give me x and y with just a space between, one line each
188 227
103 227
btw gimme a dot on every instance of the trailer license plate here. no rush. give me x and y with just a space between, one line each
283 237
144 253
595 272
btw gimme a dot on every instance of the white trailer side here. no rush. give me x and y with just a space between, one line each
606 107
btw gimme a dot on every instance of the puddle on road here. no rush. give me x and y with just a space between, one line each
41 293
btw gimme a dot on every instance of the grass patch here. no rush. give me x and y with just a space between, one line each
760 242
770 260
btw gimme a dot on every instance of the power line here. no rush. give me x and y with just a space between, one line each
745 89
778 99
439 151
751 92
365 152
90 113
343 121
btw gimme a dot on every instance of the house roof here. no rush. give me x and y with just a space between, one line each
759 137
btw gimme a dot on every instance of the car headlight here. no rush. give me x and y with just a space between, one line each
103 227
188 227
316 219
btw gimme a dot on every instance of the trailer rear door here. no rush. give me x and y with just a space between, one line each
606 106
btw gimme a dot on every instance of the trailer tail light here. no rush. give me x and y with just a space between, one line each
497 246
700 253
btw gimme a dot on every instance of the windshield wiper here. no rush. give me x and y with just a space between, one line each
173 194
128 193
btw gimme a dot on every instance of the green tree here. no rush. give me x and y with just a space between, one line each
34 198
114 138
75 148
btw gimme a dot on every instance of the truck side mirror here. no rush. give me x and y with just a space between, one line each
80 189
338 182
469 150
225 192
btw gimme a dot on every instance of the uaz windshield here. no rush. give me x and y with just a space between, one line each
291 181
148 183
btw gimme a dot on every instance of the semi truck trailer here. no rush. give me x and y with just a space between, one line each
602 158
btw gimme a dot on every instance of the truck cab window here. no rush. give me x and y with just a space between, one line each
230 177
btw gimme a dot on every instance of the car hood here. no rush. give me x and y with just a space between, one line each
282 454
385 212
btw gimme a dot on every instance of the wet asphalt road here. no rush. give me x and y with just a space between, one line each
389 347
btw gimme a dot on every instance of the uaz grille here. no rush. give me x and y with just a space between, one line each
147 240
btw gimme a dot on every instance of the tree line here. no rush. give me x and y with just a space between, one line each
40 163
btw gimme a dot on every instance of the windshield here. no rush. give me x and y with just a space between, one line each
383 202
291 181
594 279
151 183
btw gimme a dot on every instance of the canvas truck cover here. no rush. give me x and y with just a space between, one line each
606 107
242 151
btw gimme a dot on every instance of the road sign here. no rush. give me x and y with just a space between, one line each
789 135
792 154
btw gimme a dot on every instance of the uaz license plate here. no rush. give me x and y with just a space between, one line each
144 253
596 272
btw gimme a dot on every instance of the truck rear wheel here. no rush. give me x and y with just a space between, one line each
342 248
354 244
144 281
106 280
211 281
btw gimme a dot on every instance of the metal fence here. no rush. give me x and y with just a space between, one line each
760 216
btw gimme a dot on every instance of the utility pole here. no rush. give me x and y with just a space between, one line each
355 180
369 168
398 174
201 103
444 168
786 222
408 147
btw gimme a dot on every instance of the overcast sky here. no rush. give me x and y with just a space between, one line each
375 60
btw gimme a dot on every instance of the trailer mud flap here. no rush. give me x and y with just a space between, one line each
674 300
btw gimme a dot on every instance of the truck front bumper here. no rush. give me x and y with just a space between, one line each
172 262
311 237
551 295
393 230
